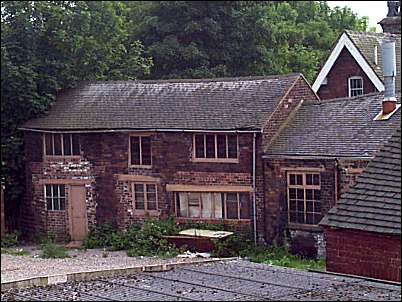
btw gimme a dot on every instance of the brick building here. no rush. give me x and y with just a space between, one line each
316 157
121 151
363 231
354 65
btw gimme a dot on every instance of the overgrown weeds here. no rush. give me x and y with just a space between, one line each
9 239
52 250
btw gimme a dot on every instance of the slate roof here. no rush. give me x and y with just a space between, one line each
212 104
366 41
374 202
342 127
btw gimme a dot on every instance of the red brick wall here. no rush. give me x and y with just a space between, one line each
344 67
363 253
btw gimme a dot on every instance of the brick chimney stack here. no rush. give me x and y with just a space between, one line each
392 23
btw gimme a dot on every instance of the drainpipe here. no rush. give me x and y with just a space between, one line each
254 202
336 180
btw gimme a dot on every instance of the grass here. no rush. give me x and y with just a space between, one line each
280 256
14 251
52 250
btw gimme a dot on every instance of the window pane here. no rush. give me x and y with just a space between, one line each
76 144
139 196
218 205
310 207
300 205
62 203
207 209
300 217
57 144
293 217
194 205
292 205
317 195
67 144
309 179
62 190
309 194
48 144
231 206
292 193
48 190
300 194
199 146
182 204
310 218
317 207
210 139
245 209
49 204
55 190
316 179
135 150
146 150
299 179
232 146
292 179
151 197
221 140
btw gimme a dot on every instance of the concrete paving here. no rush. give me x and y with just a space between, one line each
230 280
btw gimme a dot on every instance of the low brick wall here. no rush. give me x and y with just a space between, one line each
363 253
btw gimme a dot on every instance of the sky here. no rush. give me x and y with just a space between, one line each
375 10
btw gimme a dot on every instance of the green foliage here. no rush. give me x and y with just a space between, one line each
139 240
280 256
50 45
14 252
232 246
9 239
195 39
52 250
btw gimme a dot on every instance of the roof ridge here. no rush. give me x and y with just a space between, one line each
199 80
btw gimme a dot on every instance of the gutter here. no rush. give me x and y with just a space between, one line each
140 130
254 201
296 156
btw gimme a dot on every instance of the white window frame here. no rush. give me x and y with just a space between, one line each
216 158
350 89
53 196
61 146
304 187
140 136
145 210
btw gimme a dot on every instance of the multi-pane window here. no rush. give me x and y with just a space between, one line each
215 146
140 150
304 201
145 197
355 86
55 196
65 144
213 205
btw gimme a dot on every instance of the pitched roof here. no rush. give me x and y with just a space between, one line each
374 202
342 127
367 41
199 104
361 46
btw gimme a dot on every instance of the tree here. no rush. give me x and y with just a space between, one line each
50 45
194 39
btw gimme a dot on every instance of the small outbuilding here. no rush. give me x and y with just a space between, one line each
363 231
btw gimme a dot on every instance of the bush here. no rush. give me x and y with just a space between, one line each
52 250
9 239
232 246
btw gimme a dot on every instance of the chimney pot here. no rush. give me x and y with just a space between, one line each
388 105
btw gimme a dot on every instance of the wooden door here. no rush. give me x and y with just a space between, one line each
78 213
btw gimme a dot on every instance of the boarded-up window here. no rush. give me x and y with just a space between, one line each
140 150
213 205
65 144
304 198
55 197
215 146
145 197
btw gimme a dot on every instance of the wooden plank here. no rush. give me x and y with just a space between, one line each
198 188
137 178
65 181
